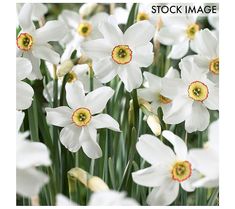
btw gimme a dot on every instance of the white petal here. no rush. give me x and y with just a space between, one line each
131 76
52 31
187 185
19 119
179 21
212 101
36 73
30 181
46 53
206 161
111 33
111 198
152 176
62 200
69 137
213 136
39 10
75 95
171 35
105 70
214 20
172 73
198 119
143 55
70 18
31 154
23 68
147 94
154 82
121 15
139 33
179 50
207 182
172 87
59 116
153 150
180 147
105 121
99 18
180 110
24 95
206 43
89 145
97 99
97 49
164 195
24 17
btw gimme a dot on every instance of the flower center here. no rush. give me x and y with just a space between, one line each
84 29
122 54
214 66
181 171
71 77
81 116
192 30
164 100
198 91
142 16
24 41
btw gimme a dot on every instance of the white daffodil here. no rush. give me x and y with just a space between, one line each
168 169
206 160
208 54
29 154
179 31
33 44
81 119
121 54
191 95
153 91
24 92
103 198
79 30
87 8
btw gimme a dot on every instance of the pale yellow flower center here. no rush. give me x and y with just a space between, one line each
214 66
84 29
192 30
181 171
81 116
122 54
142 16
198 91
24 41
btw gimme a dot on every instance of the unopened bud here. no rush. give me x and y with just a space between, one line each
96 184
154 124
65 67
87 9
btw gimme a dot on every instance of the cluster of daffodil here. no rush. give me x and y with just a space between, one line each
116 106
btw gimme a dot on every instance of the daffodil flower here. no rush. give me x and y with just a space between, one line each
29 180
79 30
178 31
207 57
24 92
206 160
191 96
81 119
121 54
153 91
33 43
168 169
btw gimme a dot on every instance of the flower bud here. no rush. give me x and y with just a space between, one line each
96 184
154 124
87 9
65 67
